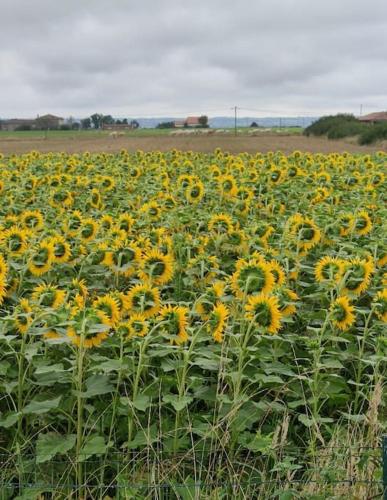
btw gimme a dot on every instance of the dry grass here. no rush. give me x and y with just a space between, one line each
206 144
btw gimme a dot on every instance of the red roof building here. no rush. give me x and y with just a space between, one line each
192 121
374 117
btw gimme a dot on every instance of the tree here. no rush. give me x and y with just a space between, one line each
254 125
86 123
107 120
203 120
118 122
166 125
125 121
96 119
134 124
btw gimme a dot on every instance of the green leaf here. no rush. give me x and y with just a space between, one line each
93 446
206 364
57 368
50 444
9 420
113 365
304 419
144 437
39 407
4 365
142 402
97 385
179 403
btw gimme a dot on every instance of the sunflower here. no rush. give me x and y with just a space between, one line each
125 223
252 277
3 267
90 327
362 224
107 182
342 313
357 276
220 223
106 222
305 232
184 180
41 259
346 223
329 269
73 223
194 192
152 209
143 299
48 296
32 219
95 198
217 321
109 306
14 240
125 256
23 316
135 326
380 303
227 185
287 301
78 291
88 229
175 318
62 249
264 311
278 272
156 267
61 198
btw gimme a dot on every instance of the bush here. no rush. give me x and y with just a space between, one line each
335 126
23 128
374 133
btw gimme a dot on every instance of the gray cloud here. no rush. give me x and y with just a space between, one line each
169 57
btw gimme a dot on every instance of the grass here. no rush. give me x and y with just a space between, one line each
141 132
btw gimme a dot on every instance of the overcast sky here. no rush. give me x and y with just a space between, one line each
181 57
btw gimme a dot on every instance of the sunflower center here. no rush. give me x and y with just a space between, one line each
339 313
15 242
355 277
262 314
47 298
157 267
251 279
41 257
59 250
87 230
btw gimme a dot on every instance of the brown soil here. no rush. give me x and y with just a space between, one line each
284 143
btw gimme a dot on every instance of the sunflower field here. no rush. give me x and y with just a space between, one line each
211 321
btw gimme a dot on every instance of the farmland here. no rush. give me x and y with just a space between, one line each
247 140
203 319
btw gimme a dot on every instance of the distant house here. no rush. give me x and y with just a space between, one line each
374 117
49 122
17 124
41 122
192 121
117 126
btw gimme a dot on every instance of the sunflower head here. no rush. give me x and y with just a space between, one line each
342 313
175 322
264 311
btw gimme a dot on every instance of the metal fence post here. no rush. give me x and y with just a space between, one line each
384 460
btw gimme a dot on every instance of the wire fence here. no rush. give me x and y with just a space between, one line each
353 472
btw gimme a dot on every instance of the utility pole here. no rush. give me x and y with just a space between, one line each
361 109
